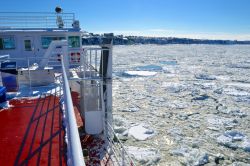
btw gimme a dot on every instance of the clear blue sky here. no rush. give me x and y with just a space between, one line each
187 18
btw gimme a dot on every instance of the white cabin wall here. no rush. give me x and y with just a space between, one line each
19 36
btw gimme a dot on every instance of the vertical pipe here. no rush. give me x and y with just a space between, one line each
65 56
90 63
96 60
29 74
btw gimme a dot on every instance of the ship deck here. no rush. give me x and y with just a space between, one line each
32 133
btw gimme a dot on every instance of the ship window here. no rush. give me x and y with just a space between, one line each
74 41
27 45
7 43
47 40
1 43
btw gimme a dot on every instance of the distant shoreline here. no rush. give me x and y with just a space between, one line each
95 39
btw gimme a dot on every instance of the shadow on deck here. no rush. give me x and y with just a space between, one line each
32 132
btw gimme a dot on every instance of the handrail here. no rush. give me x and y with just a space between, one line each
124 155
74 144
16 20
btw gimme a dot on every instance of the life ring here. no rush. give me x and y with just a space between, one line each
75 57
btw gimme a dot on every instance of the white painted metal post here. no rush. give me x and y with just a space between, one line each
65 56
109 84
123 157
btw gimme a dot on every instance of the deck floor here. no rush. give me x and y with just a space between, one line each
31 133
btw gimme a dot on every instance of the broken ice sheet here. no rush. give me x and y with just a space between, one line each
205 77
177 85
140 132
139 73
236 92
234 140
145 156
232 112
190 156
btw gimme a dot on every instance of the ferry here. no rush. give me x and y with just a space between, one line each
55 93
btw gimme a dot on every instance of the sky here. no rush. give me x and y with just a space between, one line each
203 19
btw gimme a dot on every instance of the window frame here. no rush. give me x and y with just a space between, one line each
78 44
51 37
30 45
1 43
12 41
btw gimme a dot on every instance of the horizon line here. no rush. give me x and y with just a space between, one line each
170 33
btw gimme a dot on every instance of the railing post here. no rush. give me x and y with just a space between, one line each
65 56
29 75
123 157
84 62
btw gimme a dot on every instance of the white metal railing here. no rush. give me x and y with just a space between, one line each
94 59
28 62
75 154
90 64
119 154
33 20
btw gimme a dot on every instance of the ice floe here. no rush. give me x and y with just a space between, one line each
243 99
217 123
206 85
190 156
240 66
177 104
145 156
232 111
174 87
118 121
235 92
239 84
234 140
175 133
140 132
201 97
205 77
131 109
149 68
139 73
170 62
